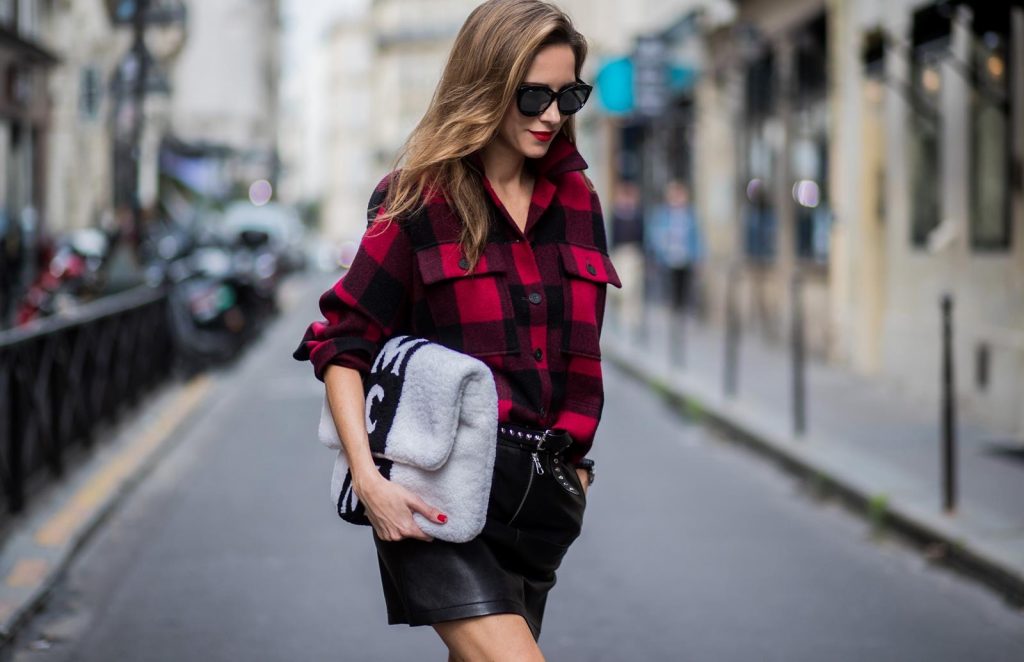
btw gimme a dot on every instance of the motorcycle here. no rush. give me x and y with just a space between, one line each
220 293
71 272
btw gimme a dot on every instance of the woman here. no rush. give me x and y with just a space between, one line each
488 240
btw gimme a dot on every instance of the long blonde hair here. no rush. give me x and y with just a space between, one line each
488 61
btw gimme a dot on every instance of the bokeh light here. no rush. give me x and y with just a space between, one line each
930 79
754 190
996 66
260 192
807 193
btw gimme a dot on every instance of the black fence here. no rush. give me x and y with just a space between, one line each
63 378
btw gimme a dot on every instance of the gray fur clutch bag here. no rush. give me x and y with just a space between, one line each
432 420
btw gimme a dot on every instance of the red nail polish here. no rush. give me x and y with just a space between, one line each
442 518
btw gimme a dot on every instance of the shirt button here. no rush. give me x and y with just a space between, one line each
535 298
464 264
538 354
590 270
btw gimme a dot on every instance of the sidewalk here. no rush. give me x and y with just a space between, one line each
866 441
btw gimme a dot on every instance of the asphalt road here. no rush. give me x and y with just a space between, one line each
692 550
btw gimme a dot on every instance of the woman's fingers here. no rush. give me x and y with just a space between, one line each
417 533
431 513
389 509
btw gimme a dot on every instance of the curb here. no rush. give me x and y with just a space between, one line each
39 549
941 547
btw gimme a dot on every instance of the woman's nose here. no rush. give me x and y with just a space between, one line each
551 114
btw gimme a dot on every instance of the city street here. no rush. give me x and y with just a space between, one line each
692 549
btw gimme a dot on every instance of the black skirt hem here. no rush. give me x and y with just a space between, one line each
456 612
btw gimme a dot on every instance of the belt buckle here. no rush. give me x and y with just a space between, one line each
543 437
548 434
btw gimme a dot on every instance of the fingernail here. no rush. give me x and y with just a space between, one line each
442 518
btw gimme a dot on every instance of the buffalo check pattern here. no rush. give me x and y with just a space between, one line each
531 309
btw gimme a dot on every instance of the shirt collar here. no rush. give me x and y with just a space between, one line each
561 157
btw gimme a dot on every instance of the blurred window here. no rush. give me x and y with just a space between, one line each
8 13
930 40
28 18
809 146
90 91
679 140
991 137
762 129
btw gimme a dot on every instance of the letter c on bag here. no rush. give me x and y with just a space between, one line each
376 393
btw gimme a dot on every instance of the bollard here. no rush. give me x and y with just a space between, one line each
948 410
642 326
677 336
797 338
730 378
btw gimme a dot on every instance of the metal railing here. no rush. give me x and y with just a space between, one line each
62 378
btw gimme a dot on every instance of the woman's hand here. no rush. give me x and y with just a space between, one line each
584 480
389 507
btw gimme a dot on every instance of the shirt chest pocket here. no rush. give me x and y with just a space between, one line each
471 312
586 272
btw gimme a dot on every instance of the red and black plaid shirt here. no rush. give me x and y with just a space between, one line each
532 309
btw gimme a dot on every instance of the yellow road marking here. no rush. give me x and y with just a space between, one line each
59 528
27 572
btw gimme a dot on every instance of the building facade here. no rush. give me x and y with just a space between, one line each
223 122
351 166
929 196
26 60
867 149
80 174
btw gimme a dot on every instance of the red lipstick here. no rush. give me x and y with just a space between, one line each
543 136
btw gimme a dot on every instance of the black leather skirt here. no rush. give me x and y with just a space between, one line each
535 512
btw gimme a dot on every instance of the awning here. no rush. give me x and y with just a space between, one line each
27 50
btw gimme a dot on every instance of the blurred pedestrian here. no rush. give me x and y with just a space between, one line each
674 240
488 240
627 251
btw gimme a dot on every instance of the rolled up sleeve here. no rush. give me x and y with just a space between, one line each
368 303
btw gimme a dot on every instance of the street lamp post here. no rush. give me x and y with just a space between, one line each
139 96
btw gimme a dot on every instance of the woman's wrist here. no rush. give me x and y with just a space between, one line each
586 465
365 477
584 479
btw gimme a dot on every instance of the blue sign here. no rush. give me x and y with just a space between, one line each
615 86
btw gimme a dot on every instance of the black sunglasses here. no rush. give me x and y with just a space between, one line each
533 100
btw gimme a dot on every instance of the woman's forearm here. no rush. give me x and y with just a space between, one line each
389 505
348 409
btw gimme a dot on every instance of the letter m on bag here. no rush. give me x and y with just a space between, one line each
383 388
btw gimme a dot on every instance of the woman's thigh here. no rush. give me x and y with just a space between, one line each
496 637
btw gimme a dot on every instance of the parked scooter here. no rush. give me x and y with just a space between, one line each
220 293
71 272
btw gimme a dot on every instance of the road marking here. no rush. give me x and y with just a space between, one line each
58 530
27 572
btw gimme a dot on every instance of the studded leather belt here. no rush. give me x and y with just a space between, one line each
552 440
545 447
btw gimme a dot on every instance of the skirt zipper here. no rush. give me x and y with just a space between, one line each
537 469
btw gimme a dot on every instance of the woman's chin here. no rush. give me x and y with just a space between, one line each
534 149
